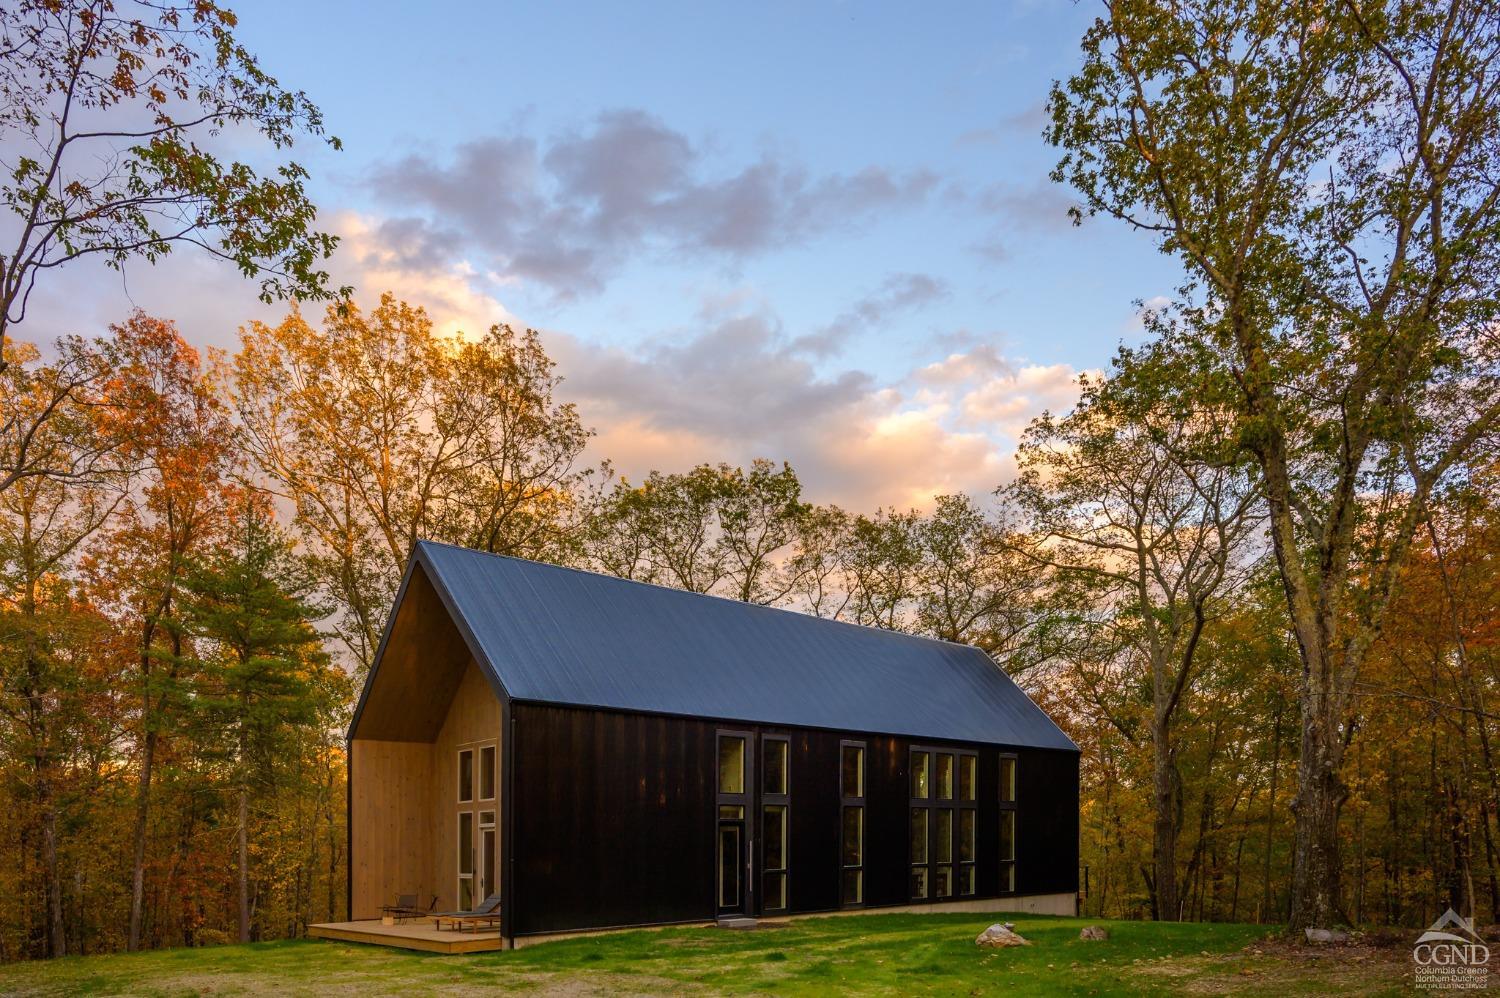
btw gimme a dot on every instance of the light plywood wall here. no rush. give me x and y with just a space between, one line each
404 805
473 719
390 828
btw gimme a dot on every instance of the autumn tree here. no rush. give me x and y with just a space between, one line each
380 432
1131 496
45 519
1326 174
108 109
58 423
183 442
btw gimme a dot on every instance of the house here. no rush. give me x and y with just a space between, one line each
609 753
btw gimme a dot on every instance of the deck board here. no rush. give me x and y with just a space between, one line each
409 935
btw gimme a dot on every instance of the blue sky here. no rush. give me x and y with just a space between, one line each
815 231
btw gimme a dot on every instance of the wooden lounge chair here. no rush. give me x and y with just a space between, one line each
406 906
487 912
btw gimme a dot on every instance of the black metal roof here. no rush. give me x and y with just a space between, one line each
565 636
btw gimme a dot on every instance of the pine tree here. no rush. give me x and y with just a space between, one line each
264 679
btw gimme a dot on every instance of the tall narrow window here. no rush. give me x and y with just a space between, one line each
775 770
731 764
967 818
465 860
735 803
944 776
774 897
466 775
919 766
1008 824
488 842
487 773
967 814
775 821
942 852
967 778
852 822
853 777
919 858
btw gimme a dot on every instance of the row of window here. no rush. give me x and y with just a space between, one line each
938 870
944 819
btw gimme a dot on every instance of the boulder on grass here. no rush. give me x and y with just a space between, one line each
1326 936
1094 933
998 937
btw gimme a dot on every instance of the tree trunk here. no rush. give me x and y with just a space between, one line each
1164 824
1320 794
244 819
244 864
1265 883
138 853
57 944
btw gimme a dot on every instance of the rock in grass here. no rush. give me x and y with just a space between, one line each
998 937
1094 933
1326 936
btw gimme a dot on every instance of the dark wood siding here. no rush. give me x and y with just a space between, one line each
813 849
613 819
1046 822
615 814
887 824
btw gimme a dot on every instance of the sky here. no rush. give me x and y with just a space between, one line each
817 232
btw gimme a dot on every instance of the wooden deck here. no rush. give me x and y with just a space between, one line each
418 935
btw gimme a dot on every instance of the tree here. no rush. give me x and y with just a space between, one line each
44 521
817 565
382 433
1126 495
883 568
261 674
979 588
103 106
183 442
712 528
1326 174
58 420
666 530
760 515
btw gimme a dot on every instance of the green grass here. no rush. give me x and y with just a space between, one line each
865 955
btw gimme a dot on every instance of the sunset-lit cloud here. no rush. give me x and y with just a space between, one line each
742 389
736 385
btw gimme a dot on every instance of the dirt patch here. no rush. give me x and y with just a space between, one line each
1366 965
599 985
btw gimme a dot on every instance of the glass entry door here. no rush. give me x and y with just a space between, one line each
734 855
731 867
475 848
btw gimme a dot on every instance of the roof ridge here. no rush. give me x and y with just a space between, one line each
870 628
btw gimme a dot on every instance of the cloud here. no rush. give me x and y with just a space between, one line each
1018 209
453 295
1029 121
743 388
566 214
897 293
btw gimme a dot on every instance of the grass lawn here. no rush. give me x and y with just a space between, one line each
864 955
